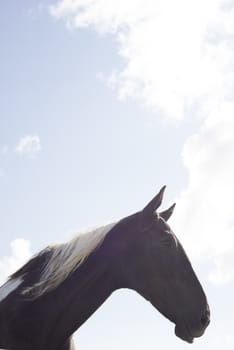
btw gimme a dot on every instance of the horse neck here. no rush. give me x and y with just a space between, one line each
83 292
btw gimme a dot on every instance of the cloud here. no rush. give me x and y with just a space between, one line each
176 54
35 11
29 145
178 60
205 212
20 253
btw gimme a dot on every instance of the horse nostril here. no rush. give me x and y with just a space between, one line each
205 319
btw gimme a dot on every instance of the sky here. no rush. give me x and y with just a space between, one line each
102 103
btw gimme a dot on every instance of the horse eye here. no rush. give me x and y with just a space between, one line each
168 239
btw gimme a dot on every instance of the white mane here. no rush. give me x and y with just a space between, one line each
66 258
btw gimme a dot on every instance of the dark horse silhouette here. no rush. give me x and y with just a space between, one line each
51 296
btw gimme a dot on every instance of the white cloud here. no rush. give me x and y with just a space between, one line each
205 212
20 253
176 54
35 11
229 339
29 145
178 60
223 339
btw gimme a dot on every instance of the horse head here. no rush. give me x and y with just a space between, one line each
158 268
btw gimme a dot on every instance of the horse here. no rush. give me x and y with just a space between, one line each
56 291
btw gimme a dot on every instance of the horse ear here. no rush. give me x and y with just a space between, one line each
154 204
167 213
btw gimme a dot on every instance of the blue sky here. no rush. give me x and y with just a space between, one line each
99 109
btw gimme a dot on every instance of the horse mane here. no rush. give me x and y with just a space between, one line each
58 261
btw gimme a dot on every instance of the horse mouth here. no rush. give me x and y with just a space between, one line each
184 334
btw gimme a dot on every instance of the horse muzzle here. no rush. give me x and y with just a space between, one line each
187 331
